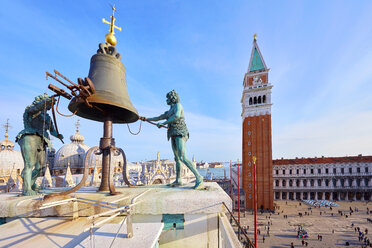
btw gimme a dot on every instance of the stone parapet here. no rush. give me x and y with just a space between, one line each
147 200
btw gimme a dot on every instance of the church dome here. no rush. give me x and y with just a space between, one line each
96 161
71 154
9 158
77 138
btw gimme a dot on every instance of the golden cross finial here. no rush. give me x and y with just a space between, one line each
110 38
255 36
77 125
7 127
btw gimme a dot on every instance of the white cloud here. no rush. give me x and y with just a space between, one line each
337 135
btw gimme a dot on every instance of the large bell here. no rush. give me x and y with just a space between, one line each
111 94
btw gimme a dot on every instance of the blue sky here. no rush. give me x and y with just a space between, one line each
319 52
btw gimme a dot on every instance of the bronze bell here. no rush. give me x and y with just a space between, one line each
110 98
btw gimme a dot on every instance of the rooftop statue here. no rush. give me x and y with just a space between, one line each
178 133
34 139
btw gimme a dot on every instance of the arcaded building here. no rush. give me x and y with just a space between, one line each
256 115
324 178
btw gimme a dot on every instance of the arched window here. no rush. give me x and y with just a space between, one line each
277 183
284 183
264 99
298 183
350 182
259 99
327 182
334 181
319 182
305 183
366 182
255 100
290 183
250 101
312 182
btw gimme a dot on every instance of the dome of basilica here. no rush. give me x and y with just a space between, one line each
9 158
95 161
71 154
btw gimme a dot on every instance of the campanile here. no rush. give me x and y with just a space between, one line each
256 115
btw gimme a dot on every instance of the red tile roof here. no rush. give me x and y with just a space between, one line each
323 160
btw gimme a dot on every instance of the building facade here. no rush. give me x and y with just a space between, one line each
325 178
256 115
159 171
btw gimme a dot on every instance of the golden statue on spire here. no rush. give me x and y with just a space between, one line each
255 36
110 37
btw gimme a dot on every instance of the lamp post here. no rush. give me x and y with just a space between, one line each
238 193
255 200
231 181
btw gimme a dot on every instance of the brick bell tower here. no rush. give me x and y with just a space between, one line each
256 114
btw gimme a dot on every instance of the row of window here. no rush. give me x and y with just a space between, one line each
257 100
320 171
327 182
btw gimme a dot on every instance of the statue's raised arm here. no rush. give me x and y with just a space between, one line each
179 134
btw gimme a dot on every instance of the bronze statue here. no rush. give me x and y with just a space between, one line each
178 133
34 139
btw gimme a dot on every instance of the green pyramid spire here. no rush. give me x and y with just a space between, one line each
257 63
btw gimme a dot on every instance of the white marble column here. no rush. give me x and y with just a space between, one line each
347 196
302 195
354 196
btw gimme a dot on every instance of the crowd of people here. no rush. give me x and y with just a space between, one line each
265 225
362 236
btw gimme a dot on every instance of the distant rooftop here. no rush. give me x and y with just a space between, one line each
324 160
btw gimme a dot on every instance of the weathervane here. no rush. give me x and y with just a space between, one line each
110 37
77 125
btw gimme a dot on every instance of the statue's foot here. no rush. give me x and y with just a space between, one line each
199 185
35 187
30 192
176 183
